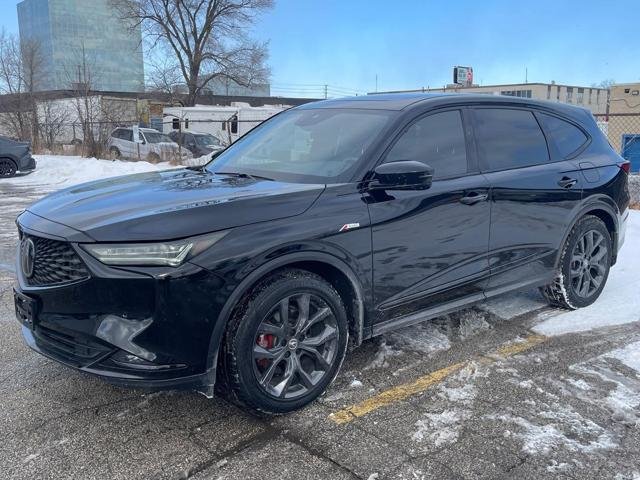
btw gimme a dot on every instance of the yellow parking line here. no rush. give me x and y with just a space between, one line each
425 382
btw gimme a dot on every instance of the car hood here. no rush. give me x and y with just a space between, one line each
172 204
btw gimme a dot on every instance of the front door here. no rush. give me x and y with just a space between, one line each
430 246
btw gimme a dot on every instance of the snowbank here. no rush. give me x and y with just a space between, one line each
55 171
619 302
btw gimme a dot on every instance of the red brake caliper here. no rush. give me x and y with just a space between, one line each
266 341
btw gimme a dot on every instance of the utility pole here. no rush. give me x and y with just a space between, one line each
526 75
376 83
325 91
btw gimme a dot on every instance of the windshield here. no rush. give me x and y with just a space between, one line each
156 137
307 146
205 140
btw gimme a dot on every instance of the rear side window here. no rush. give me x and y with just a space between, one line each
437 140
509 139
126 135
566 137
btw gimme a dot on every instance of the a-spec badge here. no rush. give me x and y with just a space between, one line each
349 226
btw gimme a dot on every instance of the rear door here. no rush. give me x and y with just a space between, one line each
533 194
430 246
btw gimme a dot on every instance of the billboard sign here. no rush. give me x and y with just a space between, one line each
463 76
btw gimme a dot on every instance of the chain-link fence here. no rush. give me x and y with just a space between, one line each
623 132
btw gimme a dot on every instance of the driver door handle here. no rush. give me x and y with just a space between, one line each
566 182
474 197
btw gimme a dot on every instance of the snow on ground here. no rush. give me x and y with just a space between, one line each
57 171
629 355
619 302
440 428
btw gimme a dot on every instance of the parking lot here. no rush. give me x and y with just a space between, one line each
509 389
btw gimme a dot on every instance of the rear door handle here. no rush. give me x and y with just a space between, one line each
566 182
474 197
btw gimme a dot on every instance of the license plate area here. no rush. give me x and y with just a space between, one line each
26 309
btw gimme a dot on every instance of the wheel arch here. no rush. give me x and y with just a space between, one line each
340 275
605 209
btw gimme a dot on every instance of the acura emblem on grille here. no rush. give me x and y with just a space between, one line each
27 257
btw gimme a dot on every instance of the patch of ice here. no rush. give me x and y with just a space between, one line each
440 428
525 384
373 476
564 428
384 352
619 302
28 458
355 383
579 384
514 304
555 467
629 355
471 323
424 338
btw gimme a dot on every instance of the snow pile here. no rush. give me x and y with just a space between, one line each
55 171
619 302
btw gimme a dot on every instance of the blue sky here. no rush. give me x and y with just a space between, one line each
413 43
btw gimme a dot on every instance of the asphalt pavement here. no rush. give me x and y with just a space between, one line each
476 394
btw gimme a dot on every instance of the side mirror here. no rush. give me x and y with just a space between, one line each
402 175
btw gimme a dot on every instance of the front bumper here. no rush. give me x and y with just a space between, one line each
139 327
27 163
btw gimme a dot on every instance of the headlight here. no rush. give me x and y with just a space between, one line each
170 254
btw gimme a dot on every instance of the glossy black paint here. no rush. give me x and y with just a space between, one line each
396 256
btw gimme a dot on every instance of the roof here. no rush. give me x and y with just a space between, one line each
403 101
391 101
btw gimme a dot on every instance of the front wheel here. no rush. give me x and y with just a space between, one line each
7 168
584 265
285 344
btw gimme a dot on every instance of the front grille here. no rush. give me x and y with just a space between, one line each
55 263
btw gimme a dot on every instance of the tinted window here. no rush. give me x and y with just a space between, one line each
306 145
126 135
437 140
566 137
509 139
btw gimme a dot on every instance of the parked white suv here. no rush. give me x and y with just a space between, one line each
151 146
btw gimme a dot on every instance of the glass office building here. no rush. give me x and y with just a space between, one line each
66 28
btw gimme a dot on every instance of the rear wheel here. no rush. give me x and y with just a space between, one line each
286 343
584 265
114 153
7 168
153 158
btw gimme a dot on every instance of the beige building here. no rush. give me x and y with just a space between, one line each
623 126
594 99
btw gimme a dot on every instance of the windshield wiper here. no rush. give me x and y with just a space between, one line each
245 175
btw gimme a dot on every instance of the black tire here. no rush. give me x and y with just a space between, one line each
8 168
295 368
114 153
581 277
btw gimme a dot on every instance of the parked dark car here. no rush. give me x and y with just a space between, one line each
199 144
15 157
326 225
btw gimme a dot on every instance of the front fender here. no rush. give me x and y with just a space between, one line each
274 261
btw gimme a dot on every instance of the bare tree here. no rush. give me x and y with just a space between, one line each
207 38
12 86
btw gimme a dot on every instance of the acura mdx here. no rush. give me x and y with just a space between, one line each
326 225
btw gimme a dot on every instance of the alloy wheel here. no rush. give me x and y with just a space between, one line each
296 345
7 168
589 264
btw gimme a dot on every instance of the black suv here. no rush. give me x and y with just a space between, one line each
326 225
15 157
